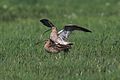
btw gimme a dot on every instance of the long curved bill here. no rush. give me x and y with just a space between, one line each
46 31
42 36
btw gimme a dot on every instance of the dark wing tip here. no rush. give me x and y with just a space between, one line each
86 30
90 31
72 27
46 22
42 20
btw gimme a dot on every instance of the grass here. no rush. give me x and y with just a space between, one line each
95 56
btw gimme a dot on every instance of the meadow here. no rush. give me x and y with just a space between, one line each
94 56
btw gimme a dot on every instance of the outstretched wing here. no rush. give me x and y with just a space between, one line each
72 27
64 34
47 23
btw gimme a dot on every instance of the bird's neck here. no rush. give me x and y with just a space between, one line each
54 34
54 30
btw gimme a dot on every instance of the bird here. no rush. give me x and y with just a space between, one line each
58 40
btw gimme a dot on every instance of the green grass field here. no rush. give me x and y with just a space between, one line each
94 56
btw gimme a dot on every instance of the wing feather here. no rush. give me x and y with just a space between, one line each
72 27
47 23
64 34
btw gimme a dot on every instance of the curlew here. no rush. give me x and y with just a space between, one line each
58 40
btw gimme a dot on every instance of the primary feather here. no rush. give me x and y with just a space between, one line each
64 33
47 23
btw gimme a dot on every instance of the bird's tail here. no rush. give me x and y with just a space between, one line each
47 23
